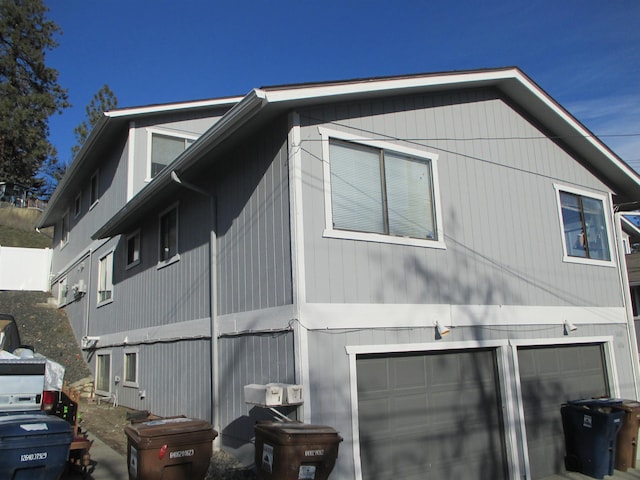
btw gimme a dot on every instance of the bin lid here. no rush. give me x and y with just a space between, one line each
286 433
32 423
167 426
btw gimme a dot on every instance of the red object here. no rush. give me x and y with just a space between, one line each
48 400
163 450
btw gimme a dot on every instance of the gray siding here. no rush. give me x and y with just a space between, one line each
247 359
178 125
176 378
145 295
329 376
112 185
254 259
500 217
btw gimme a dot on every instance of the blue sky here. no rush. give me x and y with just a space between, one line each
584 53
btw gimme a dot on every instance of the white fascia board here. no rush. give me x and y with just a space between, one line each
320 91
171 107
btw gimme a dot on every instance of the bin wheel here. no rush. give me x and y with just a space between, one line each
572 463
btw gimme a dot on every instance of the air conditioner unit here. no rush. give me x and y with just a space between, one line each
273 394
79 288
265 395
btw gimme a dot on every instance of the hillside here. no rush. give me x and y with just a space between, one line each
41 324
17 229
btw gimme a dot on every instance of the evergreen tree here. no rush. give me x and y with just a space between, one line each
103 101
29 91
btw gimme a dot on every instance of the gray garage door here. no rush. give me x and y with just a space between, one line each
550 376
430 415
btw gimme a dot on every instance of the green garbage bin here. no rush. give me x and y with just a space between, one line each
295 451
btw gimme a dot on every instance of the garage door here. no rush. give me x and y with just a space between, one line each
430 415
549 376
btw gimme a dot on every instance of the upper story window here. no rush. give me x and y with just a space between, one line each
64 230
133 249
380 192
105 278
168 251
164 149
94 193
585 226
77 205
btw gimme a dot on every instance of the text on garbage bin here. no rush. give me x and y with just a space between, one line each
182 453
314 453
30 457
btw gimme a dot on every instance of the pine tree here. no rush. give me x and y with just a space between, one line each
29 90
103 101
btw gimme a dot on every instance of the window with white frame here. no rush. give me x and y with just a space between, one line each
103 373
133 249
380 191
77 205
585 225
62 292
131 367
94 193
164 149
168 235
105 278
64 230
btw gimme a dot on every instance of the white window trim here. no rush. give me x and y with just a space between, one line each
125 382
62 292
508 368
78 202
96 175
168 133
126 257
110 300
330 232
606 202
176 257
64 239
106 393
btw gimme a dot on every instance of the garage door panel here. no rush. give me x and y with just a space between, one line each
447 405
409 372
579 373
372 376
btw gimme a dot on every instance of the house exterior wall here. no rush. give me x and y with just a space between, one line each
500 277
112 181
182 125
253 239
501 247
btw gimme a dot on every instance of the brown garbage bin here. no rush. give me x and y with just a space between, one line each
295 451
169 448
627 443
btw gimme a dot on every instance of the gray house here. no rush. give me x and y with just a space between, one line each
434 258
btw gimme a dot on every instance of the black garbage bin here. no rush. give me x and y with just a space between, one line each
590 429
295 451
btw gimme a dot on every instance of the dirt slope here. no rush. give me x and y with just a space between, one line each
47 329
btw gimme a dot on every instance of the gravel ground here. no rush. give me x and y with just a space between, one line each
107 423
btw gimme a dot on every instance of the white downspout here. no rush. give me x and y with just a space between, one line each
213 313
